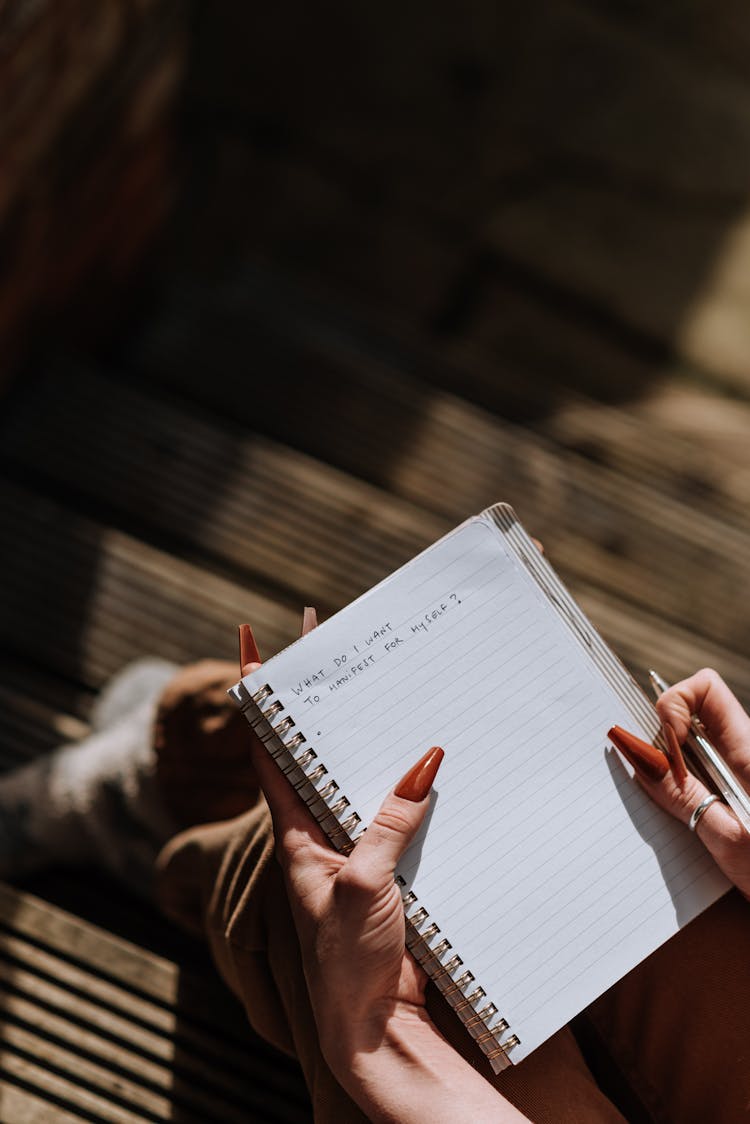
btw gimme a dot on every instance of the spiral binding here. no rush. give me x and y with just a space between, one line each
479 1018
295 756
299 762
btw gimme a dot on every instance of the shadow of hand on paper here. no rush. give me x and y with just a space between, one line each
657 829
409 865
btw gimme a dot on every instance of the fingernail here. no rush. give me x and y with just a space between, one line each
309 620
676 760
248 648
646 759
418 781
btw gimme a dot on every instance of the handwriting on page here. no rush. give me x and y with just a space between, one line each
387 637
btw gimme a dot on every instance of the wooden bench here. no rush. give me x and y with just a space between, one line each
150 514
93 1027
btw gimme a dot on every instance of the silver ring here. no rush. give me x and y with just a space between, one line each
698 812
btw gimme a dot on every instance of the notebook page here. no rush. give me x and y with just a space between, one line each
542 862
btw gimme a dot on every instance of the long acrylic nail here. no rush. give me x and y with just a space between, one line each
248 648
309 620
676 760
418 781
646 759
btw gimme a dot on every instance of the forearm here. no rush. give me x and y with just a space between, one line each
407 1073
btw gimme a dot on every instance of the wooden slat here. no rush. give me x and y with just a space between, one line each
22 736
640 208
19 1105
130 1010
642 641
53 1091
688 443
395 381
263 508
599 526
37 713
134 1015
96 1019
135 1101
103 598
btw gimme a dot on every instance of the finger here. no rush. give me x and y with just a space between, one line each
707 695
249 654
248 648
374 859
718 828
309 620
676 759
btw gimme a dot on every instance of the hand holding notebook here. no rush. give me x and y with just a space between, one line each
544 874
354 902
366 990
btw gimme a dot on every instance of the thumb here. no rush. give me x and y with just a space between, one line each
707 695
379 849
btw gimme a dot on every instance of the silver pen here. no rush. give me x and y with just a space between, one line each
714 764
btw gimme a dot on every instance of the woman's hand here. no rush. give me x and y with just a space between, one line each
367 992
348 911
679 792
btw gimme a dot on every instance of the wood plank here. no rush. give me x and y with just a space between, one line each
639 205
687 441
551 367
641 215
265 509
643 641
105 598
135 1101
676 275
135 1015
599 527
37 713
52 1094
19 1105
123 1022
625 177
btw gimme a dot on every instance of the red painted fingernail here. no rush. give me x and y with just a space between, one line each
309 620
418 781
646 759
248 648
676 760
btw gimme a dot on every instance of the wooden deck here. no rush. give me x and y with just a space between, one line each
562 325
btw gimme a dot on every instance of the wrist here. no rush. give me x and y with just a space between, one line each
348 1035
386 1050
400 1070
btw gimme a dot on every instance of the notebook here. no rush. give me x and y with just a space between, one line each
542 874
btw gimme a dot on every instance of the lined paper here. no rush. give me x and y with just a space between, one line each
542 862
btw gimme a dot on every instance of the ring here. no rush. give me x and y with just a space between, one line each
705 803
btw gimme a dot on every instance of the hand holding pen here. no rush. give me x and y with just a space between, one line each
706 698
708 757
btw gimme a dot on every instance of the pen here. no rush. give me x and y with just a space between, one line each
714 764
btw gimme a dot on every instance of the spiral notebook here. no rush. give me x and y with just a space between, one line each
542 874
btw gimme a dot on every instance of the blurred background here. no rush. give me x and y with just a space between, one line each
288 291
